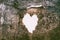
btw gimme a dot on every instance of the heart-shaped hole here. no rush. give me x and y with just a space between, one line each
30 22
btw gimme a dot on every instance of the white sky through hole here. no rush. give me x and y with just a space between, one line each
30 22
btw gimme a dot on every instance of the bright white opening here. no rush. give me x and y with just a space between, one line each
2 20
30 22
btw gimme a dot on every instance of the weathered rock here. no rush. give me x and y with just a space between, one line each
47 24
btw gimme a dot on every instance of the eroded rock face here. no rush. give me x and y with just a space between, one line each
12 28
47 24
